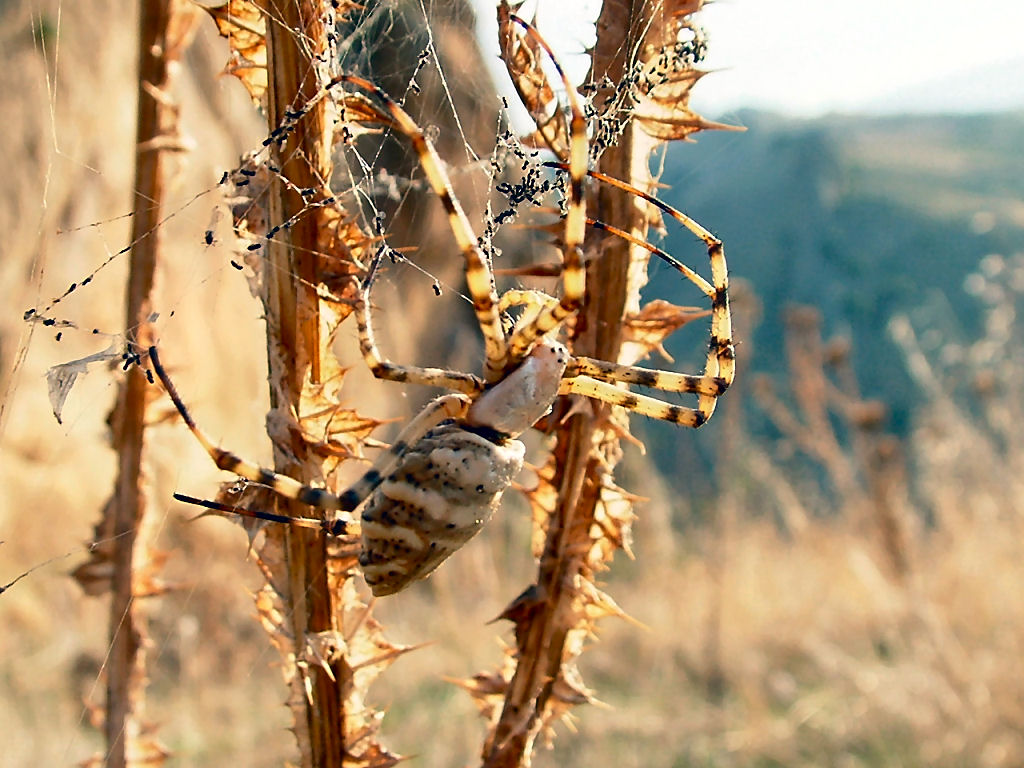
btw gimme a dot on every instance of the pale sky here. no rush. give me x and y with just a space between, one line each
810 57
813 56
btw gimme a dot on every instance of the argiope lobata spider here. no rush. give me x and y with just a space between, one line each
444 476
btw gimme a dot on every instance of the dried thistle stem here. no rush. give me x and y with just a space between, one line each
295 35
554 615
164 29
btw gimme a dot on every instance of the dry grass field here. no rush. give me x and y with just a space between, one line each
867 612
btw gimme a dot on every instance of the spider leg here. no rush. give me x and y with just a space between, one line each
330 527
444 407
479 278
666 381
382 368
523 297
721 359
642 404
533 302
573 272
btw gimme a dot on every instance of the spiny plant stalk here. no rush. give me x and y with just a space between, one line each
588 517
294 354
164 29
331 646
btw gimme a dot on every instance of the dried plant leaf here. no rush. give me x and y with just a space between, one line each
524 606
145 580
567 692
614 516
343 249
61 378
367 650
373 756
644 332
487 689
669 59
95 575
523 57
664 111
244 27
542 498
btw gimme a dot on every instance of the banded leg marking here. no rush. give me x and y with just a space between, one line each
666 381
642 404
382 368
445 407
479 279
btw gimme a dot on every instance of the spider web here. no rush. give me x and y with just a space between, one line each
76 249
73 248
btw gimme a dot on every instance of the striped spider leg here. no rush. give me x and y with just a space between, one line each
720 368
436 486
445 474
597 379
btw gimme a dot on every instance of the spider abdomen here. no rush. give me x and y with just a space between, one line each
443 491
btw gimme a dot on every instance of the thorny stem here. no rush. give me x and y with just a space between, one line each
295 36
587 449
162 34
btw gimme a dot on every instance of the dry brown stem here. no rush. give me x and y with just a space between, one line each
331 646
125 562
864 465
584 518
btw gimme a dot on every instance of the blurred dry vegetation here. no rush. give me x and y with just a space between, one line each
875 618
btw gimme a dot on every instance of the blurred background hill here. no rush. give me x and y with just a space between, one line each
863 217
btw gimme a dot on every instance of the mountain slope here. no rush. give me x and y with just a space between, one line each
860 217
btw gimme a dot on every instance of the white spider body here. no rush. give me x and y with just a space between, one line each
443 491
449 483
516 402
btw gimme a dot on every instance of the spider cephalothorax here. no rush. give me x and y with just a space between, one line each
446 472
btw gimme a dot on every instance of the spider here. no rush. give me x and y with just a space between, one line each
445 474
